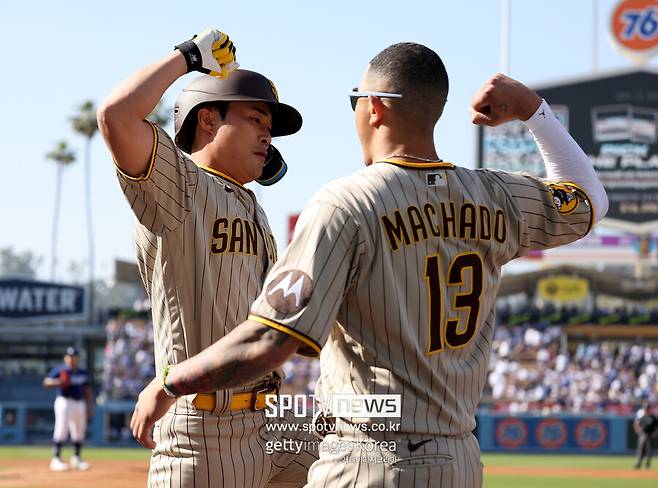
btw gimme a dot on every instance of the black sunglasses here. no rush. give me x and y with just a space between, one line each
356 94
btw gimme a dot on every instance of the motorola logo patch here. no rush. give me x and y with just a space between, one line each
290 291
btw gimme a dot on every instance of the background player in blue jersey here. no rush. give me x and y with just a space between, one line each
72 408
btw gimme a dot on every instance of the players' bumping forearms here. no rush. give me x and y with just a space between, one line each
247 353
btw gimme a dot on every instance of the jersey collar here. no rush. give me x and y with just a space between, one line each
208 169
418 165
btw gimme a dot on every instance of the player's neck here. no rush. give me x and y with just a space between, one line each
414 149
206 159
389 139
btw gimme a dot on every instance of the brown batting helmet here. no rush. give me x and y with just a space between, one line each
241 86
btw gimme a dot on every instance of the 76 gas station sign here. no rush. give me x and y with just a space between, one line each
634 28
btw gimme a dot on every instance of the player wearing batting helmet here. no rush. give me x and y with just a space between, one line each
204 247
73 406
392 277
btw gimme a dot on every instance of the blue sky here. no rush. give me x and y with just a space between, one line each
62 53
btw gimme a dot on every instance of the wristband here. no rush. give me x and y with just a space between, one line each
192 55
167 389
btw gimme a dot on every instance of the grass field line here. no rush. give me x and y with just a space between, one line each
571 473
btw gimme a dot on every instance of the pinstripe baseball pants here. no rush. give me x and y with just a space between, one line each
202 450
355 458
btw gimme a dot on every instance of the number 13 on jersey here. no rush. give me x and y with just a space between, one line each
444 328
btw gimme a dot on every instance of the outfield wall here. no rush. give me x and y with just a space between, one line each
578 434
32 423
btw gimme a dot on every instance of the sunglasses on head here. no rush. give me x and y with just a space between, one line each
356 94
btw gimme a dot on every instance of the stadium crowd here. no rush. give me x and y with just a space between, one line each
128 364
573 315
531 370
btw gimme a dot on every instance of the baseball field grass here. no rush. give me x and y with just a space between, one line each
556 471
91 453
27 467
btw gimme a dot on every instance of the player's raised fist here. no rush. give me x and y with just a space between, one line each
210 52
502 99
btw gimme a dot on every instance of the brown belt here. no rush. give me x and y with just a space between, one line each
251 399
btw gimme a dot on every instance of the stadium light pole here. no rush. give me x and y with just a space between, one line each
595 37
505 31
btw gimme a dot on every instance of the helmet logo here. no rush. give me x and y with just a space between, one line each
274 92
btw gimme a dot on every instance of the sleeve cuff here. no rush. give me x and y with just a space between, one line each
312 349
147 173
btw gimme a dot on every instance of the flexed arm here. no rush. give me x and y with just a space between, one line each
502 99
121 116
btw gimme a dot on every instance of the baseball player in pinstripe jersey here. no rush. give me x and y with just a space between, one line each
204 246
392 275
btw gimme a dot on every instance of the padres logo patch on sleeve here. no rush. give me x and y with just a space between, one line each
565 198
290 291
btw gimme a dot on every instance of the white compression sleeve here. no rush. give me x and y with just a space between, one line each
564 159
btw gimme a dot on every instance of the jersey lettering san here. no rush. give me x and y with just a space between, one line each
241 236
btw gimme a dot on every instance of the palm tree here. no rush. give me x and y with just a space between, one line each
63 156
160 114
84 123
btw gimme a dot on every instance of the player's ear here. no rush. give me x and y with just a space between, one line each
376 110
208 120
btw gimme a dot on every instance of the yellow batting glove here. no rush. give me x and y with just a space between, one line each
210 52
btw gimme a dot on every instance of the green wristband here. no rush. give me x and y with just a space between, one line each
167 389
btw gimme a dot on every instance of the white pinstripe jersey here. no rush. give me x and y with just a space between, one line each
395 270
203 248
